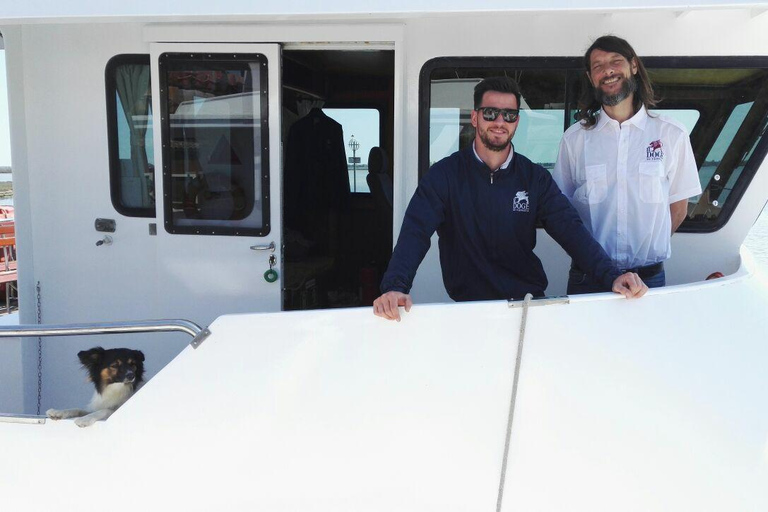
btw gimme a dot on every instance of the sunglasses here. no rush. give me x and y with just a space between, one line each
491 113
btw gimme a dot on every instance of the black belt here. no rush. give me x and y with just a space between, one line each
643 272
648 270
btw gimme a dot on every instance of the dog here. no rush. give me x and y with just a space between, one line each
116 373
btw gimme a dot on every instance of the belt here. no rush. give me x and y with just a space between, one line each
648 270
644 272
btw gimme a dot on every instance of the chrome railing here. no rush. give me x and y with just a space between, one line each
20 331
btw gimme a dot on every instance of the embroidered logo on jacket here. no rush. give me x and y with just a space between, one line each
520 202
654 151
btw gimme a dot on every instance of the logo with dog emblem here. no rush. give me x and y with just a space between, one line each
654 150
520 202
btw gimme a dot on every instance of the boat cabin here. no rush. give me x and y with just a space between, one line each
202 160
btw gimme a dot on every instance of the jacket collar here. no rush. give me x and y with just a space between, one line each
503 166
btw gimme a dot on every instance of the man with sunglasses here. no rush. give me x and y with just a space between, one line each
484 202
627 172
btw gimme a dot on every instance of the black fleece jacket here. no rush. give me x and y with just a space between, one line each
486 223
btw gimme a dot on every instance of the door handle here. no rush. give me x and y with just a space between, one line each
268 247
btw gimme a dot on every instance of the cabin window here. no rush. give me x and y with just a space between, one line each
542 116
723 102
215 150
361 133
129 127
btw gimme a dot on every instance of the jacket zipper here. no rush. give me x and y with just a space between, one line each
492 173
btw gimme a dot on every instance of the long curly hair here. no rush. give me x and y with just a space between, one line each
644 96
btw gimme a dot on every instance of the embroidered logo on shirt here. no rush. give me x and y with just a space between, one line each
520 202
654 151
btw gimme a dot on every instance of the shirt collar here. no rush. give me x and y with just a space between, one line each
506 162
639 119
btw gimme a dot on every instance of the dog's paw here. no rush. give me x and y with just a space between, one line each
55 414
64 414
85 421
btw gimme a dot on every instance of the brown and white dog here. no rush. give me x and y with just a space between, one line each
116 373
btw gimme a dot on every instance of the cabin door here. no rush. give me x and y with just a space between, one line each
219 217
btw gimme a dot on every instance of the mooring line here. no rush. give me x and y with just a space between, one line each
526 303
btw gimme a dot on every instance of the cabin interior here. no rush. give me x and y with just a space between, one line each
337 228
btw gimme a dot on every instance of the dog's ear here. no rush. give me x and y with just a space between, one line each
88 358
139 355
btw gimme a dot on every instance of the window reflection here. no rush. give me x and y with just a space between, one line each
131 152
216 174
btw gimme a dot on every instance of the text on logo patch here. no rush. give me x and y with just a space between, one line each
654 151
520 202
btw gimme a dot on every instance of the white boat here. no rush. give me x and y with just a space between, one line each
156 176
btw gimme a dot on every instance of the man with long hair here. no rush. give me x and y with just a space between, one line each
484 201
628 172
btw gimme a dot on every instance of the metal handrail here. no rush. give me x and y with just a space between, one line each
178 325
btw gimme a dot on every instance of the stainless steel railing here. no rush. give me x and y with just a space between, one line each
177 325
23 331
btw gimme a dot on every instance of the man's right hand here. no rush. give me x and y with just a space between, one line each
386 305
630 285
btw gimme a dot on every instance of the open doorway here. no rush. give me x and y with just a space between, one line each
337 133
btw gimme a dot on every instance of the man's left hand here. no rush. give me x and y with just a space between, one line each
630 285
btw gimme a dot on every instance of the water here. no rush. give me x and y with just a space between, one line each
6 177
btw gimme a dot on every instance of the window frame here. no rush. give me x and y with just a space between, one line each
574 64
113 142
198 58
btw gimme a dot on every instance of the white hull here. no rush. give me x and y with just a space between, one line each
620 407
655 404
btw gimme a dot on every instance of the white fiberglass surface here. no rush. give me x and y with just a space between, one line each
652 404
362 414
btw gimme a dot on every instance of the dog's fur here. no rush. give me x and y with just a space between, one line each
116 373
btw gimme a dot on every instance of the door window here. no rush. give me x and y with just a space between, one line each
215 170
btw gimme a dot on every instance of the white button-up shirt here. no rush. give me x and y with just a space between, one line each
622 178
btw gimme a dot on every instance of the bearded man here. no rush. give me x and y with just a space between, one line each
628 172
484 202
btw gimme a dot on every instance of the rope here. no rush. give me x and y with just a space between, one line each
518 361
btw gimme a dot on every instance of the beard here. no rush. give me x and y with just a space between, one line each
486 140
628 86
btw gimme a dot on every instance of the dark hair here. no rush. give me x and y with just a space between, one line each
644 96
497 84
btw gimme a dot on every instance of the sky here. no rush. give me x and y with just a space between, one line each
363 123
5 142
